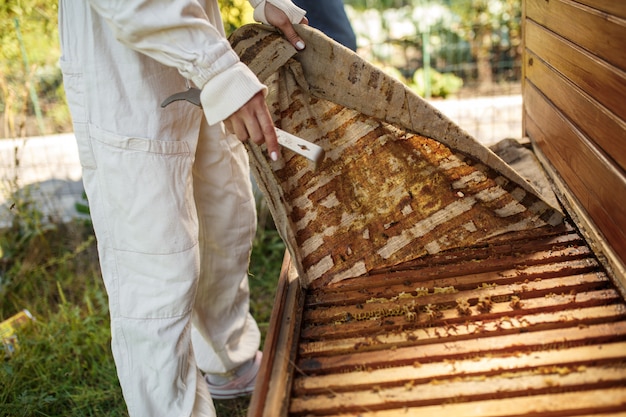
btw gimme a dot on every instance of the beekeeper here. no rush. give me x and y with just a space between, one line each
169 190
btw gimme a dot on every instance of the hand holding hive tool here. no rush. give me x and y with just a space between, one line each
294 143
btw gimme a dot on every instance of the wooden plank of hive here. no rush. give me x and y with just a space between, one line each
608 6
472 287
613 401
561 331
451 350
271 395
574 115
587 226
418 372
511 259
420 336
596 192
594 119
584 27
412 394
458 304
368 334
413 300
414 283
511 246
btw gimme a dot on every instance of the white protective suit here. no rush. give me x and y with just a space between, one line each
169 194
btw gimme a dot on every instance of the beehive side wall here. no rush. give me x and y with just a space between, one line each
574 110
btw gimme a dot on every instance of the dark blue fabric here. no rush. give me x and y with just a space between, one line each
330 17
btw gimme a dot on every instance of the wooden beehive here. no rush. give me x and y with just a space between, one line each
529 325
575 111
515 308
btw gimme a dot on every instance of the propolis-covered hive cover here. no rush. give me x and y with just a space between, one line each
399 179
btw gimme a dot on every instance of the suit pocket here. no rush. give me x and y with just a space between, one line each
145 192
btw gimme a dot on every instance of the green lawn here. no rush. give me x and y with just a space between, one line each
64 365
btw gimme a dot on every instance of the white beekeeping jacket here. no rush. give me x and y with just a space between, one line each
121 59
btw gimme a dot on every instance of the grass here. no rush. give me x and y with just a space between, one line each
64 365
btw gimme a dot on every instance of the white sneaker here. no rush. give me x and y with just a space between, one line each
240 386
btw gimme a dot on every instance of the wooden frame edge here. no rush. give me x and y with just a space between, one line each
273 387
606 255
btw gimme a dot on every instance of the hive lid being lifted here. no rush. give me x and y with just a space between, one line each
399 180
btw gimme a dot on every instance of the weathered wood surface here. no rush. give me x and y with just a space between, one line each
559 404
574 107
273 388
541 336
473 367
399 181
526 323
415 394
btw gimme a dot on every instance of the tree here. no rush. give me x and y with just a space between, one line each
486 25
481 22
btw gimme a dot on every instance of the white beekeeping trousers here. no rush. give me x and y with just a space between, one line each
174 237
174 215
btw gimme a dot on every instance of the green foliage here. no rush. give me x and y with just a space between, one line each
32 264
235 13
377 4
35 252
29 54
37 20
441 85
478 40
266 261
490 26
487 14
64 366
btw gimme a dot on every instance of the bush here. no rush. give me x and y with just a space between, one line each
441 85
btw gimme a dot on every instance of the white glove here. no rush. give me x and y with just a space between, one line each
293 12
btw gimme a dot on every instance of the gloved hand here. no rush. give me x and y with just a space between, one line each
293 12
252 121
281 14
